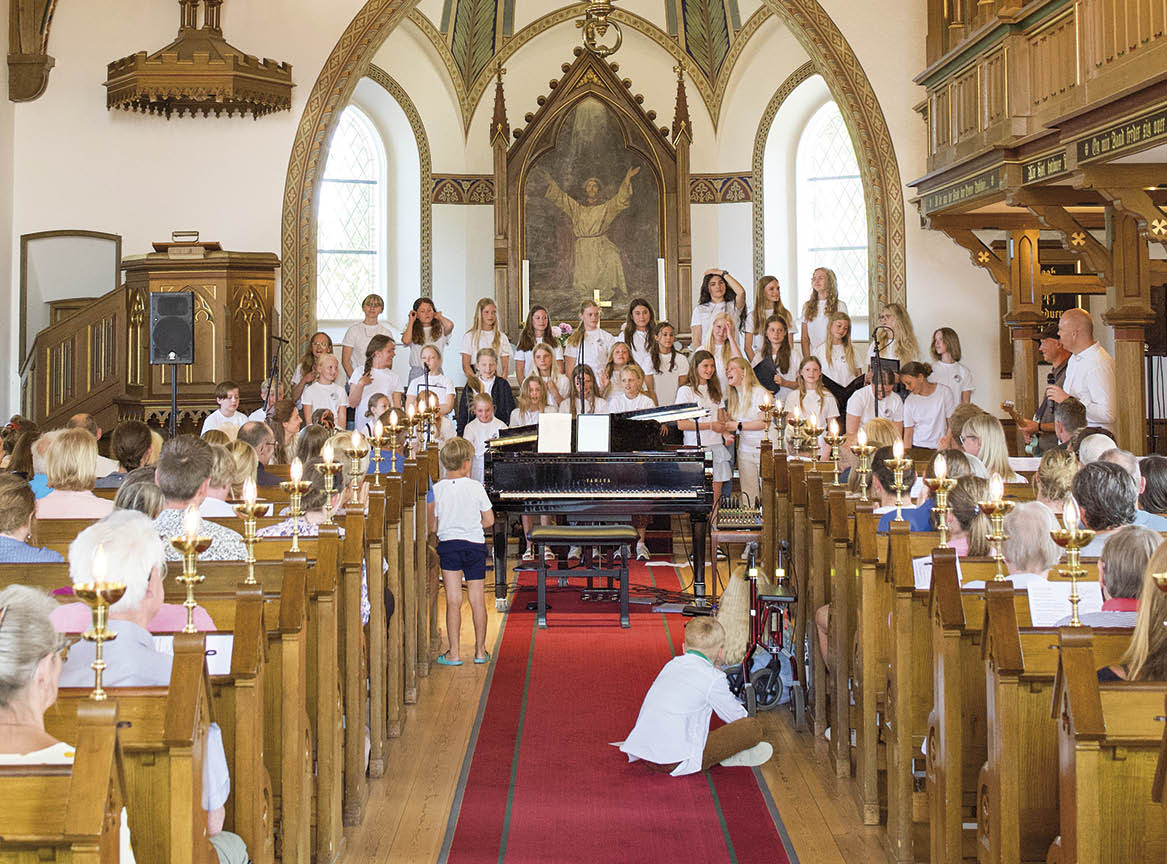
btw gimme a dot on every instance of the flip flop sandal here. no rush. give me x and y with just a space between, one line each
443 660
480 660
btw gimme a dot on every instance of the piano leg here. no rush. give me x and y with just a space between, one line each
700 525
500 562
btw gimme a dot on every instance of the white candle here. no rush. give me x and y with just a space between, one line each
393 424
99 568
1070 514
378 429
996 488
297 470
356 440
897 450
862 437
661 313
249 489
326 452
191 522
833 427
526 288
940 467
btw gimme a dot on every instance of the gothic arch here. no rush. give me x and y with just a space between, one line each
829 51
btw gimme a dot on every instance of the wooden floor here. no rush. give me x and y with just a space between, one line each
408 809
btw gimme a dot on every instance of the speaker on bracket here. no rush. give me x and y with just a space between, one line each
171 328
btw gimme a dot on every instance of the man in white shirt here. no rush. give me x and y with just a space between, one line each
1090 371
357 337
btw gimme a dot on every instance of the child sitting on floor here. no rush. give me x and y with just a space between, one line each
459 514
672 732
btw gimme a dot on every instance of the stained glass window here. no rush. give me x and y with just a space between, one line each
832 214
349 242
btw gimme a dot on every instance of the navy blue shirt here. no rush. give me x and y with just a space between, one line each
918 518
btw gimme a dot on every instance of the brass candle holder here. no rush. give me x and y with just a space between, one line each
377 441
357 450
863 452
247 510
394 432
99 595
811 431
296 489
411 422
329 469
795 422
899 464
997 508
190 545
1072 539
834 440
941 485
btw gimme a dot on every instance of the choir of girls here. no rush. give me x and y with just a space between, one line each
746 352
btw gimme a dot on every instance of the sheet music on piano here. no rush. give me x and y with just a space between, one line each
594 433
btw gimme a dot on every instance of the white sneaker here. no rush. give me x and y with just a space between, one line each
575 552
597 557
757 755
548 555
529 553
641 551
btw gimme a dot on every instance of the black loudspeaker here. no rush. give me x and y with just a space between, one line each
171 328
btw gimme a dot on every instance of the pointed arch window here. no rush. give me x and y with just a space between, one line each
350 245
832 214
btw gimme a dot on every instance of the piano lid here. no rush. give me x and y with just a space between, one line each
664 414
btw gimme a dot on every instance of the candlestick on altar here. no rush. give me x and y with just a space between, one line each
834 441
190 545
1072 539
99 595
899 464
295 488
329 469
997 508
863 451
247 510
941 485
356 451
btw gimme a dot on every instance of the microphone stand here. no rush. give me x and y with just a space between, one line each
579 365
877 367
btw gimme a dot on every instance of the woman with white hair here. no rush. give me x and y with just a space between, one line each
1029 549
30 669
125 544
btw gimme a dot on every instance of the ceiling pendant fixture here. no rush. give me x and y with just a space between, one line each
199 73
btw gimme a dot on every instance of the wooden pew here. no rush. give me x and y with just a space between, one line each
57 534
377 637
1108 745
1017 789
354 674
819 591
799 563
395 583
872 648
841 636
70 814
164 745
407 604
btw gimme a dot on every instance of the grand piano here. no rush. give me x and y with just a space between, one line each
641 475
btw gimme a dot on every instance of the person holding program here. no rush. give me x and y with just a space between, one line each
459 515
227 417
672 730
325 392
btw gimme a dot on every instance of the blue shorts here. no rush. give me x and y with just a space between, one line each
463 555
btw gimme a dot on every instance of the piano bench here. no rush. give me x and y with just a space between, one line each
542 536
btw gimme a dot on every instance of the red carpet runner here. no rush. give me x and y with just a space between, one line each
543 783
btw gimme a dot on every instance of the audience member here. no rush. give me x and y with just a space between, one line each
1121 568
17 506
1153 498
919 518
183 474
1129 462
1085 432
216 436
39 481
1054 478
285 422
246 465
1106 496
1029 549
313 504
310 442
883 483
219 484
968 527
983 437
20 461
1091 447
1069 419
105 466
263 440
143 496
69 467
130 446
1146 657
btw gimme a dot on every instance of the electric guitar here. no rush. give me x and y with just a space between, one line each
1010 408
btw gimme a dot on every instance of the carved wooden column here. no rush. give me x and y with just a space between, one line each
1129 313
682 139
29 62
1024 316
500 131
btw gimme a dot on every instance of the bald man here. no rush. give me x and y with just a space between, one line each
1090 371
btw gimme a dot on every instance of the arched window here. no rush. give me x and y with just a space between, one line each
350 239
832 216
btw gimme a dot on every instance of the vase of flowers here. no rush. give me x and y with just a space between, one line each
562 332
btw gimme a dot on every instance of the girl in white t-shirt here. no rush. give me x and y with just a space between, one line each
434 382
592 402
619 360
927 408
744 402
378 376
819 307
484 332
812 399
721 294
947 368
545 367
377 405
597 343
894 338
767 304
481 429
426 326
531 403
632 395
638 330
537 331
668 368
861 405
776 360
305 373
324 392
836 353
722 343
703 388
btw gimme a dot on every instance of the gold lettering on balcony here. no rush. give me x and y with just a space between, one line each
1124 135
973 187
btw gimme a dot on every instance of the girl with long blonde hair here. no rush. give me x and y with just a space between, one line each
722 343
703 387
532 402
822 303
744 400
485 332
597 342
545 366
968 527
901 343
812 398
767 304
1146 657
837 352
983 437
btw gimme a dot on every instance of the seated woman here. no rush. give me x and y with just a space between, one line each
16 511
130 446
1146 657
983 437
1054 478
30 669
1153 498
919 518
1029 549
968 527
141 495
71 468
219 484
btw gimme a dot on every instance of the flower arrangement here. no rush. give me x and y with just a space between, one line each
562 332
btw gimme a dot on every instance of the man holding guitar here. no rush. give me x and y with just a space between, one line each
1039 432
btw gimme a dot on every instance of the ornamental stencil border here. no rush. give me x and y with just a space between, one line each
380 76
802 73
349 59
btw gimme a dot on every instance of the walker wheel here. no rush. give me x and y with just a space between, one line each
766 688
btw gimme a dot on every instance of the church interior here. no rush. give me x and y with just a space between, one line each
206 200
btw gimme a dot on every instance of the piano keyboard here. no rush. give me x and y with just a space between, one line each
600 493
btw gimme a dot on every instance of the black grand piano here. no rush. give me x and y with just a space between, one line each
639 476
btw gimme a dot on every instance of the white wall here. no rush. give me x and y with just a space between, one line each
9 246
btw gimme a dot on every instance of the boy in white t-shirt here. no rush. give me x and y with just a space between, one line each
481 429
228 417
672 730
459 515
357 337
324 392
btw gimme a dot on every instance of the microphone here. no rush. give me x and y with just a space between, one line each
278 338
881 343
1049 379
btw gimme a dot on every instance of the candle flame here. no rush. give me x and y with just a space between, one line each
297 470
996 488
191 522
897 449
833 427
249 491
393 418
99 564
940 466
326 452
1070 514
766 400
378 429
410 410
356 440
797 412
862 437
